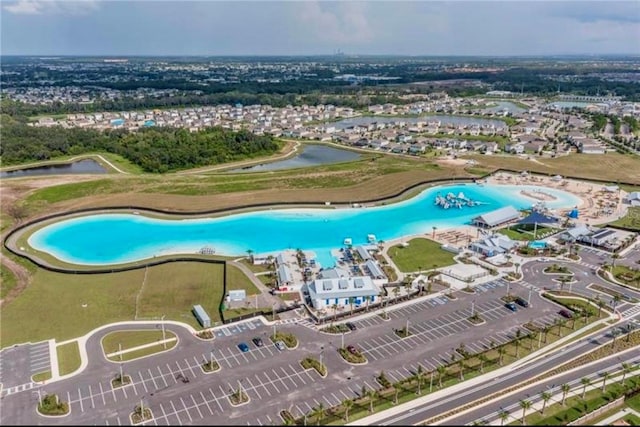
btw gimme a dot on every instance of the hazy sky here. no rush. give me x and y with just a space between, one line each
144 27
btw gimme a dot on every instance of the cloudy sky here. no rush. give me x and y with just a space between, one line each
145 27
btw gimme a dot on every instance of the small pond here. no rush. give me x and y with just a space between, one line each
311 155
80 167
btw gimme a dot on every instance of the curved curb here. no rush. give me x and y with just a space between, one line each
82 342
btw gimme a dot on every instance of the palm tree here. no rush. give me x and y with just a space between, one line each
545 396
483 359
614 257
347 404
600 304
396 291
525 405
616 300
461 366
626 368
585 383
517 342
352 300
501 352
545 330
396 389
605 377
504 415
441 371
517 264
614 334
250 253
371 394
334 307
367 298
433 236
565 389
420 376
318 412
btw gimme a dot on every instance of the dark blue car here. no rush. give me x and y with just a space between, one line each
243 347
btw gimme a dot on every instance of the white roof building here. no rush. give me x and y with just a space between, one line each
497 217
324 293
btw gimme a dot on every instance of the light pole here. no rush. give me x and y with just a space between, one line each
121 375
529 299
342 342
508 285
39 398
473 308
406 329
164 338
120 351
431 382
321 353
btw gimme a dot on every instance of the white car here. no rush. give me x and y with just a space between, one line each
280 345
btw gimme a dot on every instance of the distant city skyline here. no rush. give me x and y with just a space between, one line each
299 28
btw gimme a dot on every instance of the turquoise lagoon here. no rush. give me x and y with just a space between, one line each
116 238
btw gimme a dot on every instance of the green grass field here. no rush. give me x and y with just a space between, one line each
420 254
53 302
68 357
125 340
7 281
514 234
631 220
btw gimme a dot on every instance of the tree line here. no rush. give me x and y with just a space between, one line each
155 150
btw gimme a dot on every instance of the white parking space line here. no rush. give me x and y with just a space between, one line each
152 379
119 422
280 379
175 380
206 403
215 399
93 405
289 377
254 388
133 384
80 400
193 374
234 356
273 383
175 412
252 352
162 376
264 387
104 402
308 376
124 391
69 398
164 414
196 405
179 369
143 382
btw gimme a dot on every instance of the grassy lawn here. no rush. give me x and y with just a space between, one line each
68 357
575 406
147 351
630 220
627 276
420 254
41 376
515 234
611 166
129 339
7 281
66 306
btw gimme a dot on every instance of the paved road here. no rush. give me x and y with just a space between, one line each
446 403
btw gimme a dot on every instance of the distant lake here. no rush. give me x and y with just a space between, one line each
87 166
312 155
505 105
444 119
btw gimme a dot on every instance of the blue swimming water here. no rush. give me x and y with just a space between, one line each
118 238
537 244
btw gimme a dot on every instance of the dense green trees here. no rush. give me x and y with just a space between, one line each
153 149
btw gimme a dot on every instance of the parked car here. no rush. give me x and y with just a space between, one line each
257 341
351 326
280 345
511 306
522 302
351 349
566 314
243 347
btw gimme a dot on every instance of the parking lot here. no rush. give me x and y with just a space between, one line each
176 389
19 363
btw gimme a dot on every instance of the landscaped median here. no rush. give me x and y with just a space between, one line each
51 406
120 346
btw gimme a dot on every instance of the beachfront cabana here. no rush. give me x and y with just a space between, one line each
495 218
537 218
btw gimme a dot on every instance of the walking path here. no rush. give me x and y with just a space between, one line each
622 413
